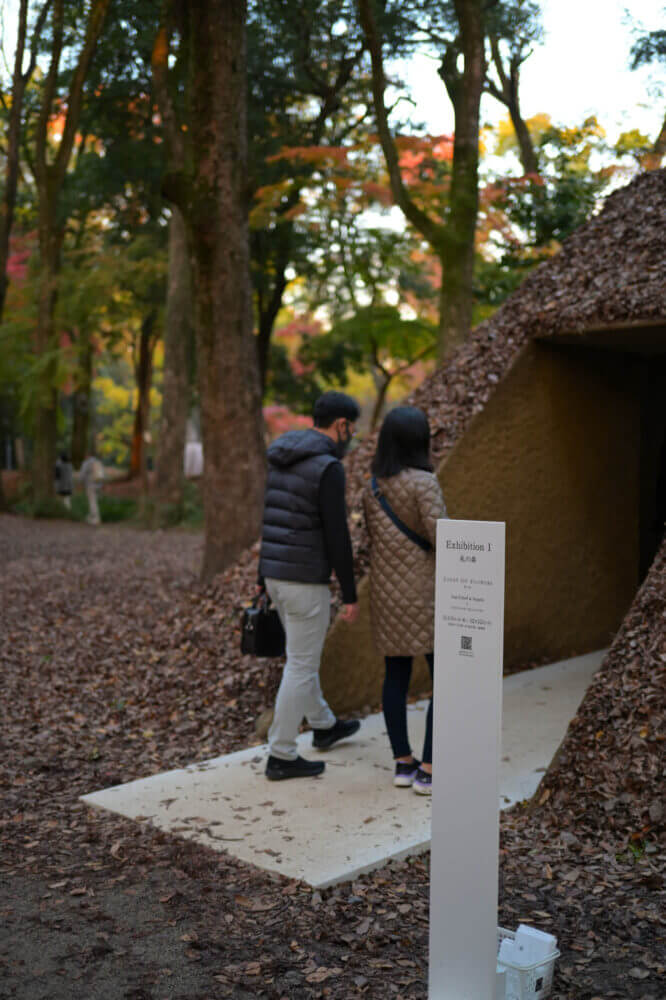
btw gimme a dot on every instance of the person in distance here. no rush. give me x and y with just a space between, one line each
402 506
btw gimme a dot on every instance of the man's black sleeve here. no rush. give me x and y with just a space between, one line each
333 513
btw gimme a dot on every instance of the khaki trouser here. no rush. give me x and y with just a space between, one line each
305 613
93 508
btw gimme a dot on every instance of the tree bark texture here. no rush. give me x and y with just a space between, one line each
653 160
175 386
234 459
143 371
508 94
20 80
46 416
269 298
81 403
465 89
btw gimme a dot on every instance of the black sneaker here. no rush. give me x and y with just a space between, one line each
322 739
422 783
405 773
278 769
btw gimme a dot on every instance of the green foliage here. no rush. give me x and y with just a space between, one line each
376 340
546 209
495 280
633 143
376 336
649 47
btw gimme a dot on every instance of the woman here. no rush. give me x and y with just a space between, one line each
401 509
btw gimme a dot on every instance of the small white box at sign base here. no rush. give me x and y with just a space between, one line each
507 952
532 945
525 981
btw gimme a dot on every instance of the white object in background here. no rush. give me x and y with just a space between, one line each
469 633
193 459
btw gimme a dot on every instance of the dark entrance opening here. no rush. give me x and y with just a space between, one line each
652 460
644 348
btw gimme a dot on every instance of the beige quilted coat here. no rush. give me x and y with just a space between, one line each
402 575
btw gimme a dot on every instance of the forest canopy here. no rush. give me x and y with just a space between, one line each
213 212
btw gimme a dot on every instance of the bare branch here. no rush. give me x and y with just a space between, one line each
94 26
49 93
36 35
433 232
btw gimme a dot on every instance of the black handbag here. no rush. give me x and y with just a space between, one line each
261 632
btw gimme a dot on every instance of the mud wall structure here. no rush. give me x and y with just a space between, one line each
555 453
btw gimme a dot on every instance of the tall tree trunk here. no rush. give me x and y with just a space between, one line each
452 240
50 169
81 403
269 300
508 94
20 81
3 444
652 160
46 416
234 461
175 386
528 157
382 382
143 372
12 159
457 250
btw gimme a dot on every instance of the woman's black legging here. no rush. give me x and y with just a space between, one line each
394 703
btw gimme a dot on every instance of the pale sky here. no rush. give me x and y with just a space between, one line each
582 68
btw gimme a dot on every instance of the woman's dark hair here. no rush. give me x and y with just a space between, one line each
404 443
332 405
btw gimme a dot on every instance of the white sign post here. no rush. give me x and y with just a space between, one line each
467 716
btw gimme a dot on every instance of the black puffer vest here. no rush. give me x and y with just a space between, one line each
292 543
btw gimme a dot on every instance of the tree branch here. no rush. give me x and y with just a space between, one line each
41 165
433 232
36 34
94 26
160 73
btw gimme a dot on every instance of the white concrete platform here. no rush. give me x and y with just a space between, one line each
330 829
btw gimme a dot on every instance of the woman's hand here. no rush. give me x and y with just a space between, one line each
349 613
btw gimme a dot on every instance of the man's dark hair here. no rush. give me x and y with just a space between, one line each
404 443
333 405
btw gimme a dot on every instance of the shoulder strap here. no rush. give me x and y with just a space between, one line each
422 543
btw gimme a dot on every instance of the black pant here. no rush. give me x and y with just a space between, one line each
394 703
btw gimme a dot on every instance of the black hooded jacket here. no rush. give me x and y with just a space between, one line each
305 533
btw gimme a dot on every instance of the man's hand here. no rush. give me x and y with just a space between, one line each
349 613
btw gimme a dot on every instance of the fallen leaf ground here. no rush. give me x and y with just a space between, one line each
117 663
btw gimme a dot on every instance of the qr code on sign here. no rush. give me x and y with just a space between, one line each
465 642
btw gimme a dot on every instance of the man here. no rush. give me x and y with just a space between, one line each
305 536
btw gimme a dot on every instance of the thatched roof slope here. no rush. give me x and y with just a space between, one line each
609 273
